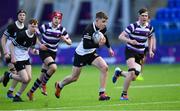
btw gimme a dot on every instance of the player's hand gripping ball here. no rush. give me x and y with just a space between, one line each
97 37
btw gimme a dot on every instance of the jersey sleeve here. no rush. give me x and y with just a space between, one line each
9 31
107 41
129 29
151 32
105 35
64 32
41 29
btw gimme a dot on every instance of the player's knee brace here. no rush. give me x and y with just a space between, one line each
132 69
8 60
12 69
51 63
136 72
43 71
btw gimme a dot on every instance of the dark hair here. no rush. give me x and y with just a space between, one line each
21 11
142 10
101 15
33 21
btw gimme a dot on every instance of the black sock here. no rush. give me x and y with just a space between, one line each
36 85
124 93
46 78
101 93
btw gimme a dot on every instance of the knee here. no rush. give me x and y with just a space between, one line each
25 80
104 68
53 67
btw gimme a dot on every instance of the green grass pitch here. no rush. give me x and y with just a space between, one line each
160 90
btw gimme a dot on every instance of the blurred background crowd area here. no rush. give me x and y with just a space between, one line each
164 14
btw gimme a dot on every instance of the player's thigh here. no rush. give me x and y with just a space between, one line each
23 74
131 63
29 71
100 63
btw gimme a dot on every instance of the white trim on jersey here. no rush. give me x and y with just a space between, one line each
18 26
81 51
94 27
20 54
30 36
87 37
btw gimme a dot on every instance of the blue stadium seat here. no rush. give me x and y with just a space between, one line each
173 4
159 24
170 35
164 14
167 23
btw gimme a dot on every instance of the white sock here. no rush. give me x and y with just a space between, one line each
18 94
11 89
102 89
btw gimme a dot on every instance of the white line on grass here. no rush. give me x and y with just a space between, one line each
153 86
105 105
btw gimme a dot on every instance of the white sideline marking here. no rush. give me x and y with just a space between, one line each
123 104
153 86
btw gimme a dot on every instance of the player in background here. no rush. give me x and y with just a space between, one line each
51 35
20 46
8 36
135 37
140 76
85 53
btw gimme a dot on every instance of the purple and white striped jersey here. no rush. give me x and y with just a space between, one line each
140 34
51 36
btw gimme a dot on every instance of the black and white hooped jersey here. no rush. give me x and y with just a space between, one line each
22 43
87 44
140 34
12 30
51 36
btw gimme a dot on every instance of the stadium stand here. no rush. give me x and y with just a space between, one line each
167 23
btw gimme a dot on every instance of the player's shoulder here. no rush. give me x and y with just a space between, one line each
12 25
89 27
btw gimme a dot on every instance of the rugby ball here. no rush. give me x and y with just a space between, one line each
96 37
